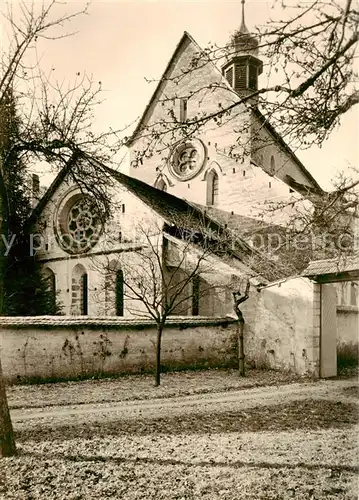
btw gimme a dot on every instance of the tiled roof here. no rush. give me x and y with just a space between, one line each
105 321
173 210
242 225
343 264
183 214
289 259
193 217
169 207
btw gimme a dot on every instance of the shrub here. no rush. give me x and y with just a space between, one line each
347 355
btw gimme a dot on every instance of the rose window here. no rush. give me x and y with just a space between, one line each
187 159
79 224
83 221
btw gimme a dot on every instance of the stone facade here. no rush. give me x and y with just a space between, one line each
240 165
282 328
252 163
81 277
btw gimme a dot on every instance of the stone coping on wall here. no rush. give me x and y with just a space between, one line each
108 322
347 308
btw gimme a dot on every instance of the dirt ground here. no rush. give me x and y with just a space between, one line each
204 435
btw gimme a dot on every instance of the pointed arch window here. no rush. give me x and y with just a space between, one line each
272 165
84 294
119 293
79 299
114 289
50 283
212 188
161 185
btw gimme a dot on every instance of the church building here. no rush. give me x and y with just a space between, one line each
185 161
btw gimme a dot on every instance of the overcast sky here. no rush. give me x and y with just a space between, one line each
122 42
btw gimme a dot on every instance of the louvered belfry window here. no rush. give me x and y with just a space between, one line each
240 81
229 75
252 79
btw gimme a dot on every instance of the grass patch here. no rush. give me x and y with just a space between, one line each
347 355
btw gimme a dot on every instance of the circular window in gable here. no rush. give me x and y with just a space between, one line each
78 223
187 159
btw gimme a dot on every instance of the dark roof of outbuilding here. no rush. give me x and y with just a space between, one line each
343 264
270 239
243 225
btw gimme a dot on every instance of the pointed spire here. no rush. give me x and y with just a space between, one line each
243 41
243 27
242 66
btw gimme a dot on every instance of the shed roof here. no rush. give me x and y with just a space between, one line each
343 264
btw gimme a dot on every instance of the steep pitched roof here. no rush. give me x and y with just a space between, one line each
246 226
175 211
267 238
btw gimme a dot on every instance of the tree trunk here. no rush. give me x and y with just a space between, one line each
240 329
158 356
7 442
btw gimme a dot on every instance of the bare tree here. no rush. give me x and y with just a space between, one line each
7 441
54 126
309 61
173 270
309 51
238 299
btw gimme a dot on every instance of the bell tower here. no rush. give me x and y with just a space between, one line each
242 66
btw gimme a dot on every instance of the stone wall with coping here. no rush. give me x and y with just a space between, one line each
72 347
282 332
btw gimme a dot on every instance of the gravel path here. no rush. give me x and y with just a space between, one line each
247 398
198 437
